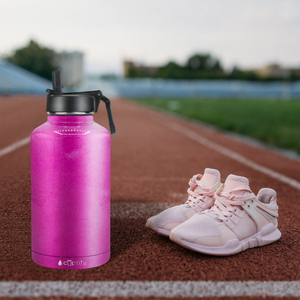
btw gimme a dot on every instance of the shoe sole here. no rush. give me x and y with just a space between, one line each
267 235
150 224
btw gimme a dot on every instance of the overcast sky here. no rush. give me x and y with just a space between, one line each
248 33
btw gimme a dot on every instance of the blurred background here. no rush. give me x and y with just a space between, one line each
234 64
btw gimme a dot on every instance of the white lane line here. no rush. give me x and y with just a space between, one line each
14 146
182 289
234 155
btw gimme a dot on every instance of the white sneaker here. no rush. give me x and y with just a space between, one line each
238 220
201 192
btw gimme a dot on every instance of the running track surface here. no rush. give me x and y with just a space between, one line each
153 157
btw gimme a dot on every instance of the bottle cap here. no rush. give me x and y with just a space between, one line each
75 103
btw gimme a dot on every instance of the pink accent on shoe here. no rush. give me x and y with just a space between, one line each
267 196
210 178
234 181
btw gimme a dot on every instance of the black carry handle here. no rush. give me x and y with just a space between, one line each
99 96
109 114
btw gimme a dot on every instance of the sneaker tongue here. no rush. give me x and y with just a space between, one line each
209 178
234 181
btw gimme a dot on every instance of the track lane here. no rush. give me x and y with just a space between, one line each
19 115
145 154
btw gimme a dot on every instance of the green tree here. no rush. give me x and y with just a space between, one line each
203 62
35 58
170 71
198 66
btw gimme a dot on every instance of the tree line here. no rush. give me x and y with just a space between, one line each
41 61
202 66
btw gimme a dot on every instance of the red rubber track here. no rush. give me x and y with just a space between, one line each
150 163
154 298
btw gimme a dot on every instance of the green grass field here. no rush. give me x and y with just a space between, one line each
276 123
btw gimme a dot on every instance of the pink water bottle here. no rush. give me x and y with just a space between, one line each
70 182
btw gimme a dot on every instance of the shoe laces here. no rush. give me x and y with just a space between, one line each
228 204
199 196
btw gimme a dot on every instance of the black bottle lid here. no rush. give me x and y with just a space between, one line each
75 103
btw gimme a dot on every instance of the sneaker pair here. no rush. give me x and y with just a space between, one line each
220 219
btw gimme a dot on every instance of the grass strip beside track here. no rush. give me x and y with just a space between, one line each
276 123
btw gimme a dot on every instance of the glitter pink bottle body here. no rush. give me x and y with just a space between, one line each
70 186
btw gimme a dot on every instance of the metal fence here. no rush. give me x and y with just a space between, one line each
206 89
15 80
